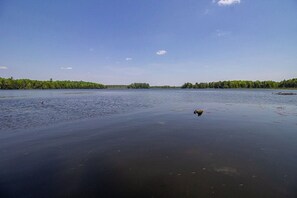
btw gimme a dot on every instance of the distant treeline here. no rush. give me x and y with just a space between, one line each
10 83
292 83
164 87
131 86
139 86
116 86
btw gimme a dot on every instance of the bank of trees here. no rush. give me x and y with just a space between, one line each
292 83
116 86
139 86
10 83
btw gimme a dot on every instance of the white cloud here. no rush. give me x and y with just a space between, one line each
161 52
128 59
221 33
228 2
3 67
68 68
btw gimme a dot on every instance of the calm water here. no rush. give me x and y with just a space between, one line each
148 143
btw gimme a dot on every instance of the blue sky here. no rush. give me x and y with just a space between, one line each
156 41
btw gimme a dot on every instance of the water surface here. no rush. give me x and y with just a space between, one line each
148 143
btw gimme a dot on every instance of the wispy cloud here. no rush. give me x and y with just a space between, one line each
206 12
222 33
3 67
128 59
161 52
67 68
226 2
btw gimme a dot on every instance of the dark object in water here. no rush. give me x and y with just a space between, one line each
198 112
286 93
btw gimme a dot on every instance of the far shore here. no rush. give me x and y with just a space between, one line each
11 83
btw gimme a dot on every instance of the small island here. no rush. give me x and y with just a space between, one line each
139 86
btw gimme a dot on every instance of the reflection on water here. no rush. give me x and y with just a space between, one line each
150 144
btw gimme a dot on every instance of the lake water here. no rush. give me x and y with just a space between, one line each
148 143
